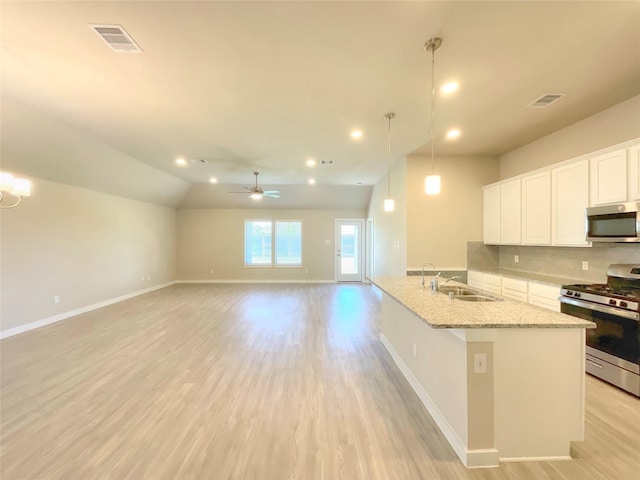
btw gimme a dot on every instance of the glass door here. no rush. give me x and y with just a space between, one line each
349 248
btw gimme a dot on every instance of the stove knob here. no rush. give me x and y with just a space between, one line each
623 304
612 302
577 294
569 293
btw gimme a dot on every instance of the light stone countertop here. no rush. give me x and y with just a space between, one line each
438 311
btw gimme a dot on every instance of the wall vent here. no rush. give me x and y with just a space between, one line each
117 38
326 162
547 99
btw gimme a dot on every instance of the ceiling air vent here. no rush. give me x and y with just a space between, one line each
326 162
117 38
545 100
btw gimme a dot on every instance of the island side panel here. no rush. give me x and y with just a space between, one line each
438 371
539 392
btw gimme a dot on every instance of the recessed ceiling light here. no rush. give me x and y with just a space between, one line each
359 184
356 134
453 133
312 181
450 87
181 161
213 180
311 162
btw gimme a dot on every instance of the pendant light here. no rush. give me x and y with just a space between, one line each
389 204
432 182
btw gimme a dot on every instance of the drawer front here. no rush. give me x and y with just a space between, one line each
515 285
544 302
492 283
548 291
474 279
514 295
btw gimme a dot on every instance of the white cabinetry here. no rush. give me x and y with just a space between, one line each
569 198
609 177
492 283
491 214
514 289
541 295
474 279
510 213
545 296
536 209
633 173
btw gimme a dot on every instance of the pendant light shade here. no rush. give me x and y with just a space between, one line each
389 203
432 182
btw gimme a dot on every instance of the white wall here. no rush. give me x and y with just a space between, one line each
390 228
83 246
614 125
214 239
439 226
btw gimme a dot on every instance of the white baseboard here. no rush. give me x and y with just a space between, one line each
470 458
554 458
255 281
72 313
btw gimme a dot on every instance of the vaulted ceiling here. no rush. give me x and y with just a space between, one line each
236 87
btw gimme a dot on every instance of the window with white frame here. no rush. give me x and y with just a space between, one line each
261 235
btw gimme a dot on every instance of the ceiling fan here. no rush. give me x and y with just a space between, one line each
256 192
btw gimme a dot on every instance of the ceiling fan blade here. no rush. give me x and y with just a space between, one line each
271 191
271 194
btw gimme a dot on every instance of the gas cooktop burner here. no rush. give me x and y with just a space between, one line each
606 290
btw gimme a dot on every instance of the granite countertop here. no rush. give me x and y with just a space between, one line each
438 311
531 276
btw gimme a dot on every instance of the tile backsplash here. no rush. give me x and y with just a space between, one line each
556 261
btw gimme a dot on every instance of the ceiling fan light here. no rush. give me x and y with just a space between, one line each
432 185
255 196
389 205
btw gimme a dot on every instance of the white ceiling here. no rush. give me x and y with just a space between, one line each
265 85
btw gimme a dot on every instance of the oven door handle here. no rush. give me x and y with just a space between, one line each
601 308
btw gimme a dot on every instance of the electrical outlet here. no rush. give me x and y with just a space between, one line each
415 351
142 278
516 259
212 270
480 363
306 270
148 277
585 265
56 299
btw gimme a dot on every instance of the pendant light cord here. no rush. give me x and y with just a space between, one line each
389 156
433 113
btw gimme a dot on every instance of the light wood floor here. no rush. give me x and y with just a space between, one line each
248 382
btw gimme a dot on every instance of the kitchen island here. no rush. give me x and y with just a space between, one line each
504 380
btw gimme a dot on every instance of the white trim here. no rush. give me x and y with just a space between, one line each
255 281
554 458
470 458
419 269
78 311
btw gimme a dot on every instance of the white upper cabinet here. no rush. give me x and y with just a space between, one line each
633 172
536 209
569 199
491 214
609 178
510 212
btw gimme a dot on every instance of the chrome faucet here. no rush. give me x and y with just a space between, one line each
448 280
424 265
433 284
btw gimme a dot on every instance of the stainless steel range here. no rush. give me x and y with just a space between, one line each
613 347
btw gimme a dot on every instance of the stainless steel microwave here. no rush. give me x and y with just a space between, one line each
613 223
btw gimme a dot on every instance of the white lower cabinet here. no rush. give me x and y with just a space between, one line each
492 283
545 296
474 279
515 289
539 294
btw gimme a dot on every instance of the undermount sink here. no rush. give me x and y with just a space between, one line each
476 298
457 291
467 295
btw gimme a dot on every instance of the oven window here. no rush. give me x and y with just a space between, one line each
614 335
613 225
